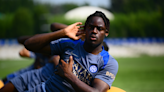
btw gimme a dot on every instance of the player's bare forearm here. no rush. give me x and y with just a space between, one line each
22 39
57 26
78 85
40 41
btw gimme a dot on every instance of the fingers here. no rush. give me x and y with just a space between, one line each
80 26
76 38
70 60
80 32
62 62
78 23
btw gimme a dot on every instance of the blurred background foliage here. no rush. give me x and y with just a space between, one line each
133 18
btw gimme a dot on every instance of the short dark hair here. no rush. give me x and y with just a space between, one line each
102 15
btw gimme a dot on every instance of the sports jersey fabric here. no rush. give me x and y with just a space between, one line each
86 66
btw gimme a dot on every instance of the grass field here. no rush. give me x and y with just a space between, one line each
142 74
9 66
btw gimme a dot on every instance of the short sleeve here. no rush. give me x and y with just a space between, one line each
60 45
108 73
55 47
32 54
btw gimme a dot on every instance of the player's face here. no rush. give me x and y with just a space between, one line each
95 31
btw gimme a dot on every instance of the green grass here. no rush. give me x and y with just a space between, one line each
142 74
9 66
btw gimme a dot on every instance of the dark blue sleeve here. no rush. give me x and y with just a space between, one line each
56 48
59 46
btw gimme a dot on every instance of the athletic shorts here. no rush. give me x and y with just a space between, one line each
30 79
12 75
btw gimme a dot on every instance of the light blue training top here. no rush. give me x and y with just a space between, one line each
86 66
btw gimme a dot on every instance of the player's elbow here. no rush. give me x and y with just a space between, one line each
28 45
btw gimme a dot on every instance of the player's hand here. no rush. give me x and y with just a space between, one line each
81 30
64 69
74 31
24 53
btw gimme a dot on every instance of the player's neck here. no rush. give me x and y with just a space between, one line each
93 49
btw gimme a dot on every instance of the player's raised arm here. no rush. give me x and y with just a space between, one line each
22 39
57 26
40 42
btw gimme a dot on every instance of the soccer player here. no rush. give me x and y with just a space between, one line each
84 65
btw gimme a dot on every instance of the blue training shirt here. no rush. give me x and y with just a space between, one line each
86 66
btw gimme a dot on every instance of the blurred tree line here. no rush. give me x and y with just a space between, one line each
26 17
21 17
137 18
133 18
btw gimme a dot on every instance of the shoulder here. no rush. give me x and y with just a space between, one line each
67 41
109 63
107 58
112 63
61 45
